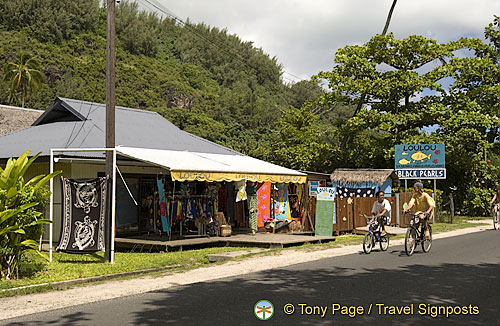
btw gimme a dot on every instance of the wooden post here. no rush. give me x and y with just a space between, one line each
452 208
435 200
110 110
397 210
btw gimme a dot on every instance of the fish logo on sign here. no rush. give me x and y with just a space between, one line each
404 161
419 156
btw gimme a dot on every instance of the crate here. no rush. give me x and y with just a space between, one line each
225 230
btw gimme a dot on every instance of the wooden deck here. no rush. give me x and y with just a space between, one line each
261 240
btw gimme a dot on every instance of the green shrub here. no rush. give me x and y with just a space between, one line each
21 207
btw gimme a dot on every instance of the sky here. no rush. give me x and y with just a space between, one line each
305 34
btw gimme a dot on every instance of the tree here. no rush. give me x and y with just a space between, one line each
299 143
23 77
407 102
387 74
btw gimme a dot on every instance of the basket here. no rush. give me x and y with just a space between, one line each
225 230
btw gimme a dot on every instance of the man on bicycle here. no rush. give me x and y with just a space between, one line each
381 211
424 205
495 200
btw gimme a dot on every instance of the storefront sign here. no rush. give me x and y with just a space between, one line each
313 188
326 193
422 174
228 176
419 156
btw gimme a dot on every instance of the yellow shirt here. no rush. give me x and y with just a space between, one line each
422 203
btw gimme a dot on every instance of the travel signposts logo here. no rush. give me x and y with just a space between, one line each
263 310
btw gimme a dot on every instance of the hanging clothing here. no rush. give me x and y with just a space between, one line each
223 195
242 192
281 208
252 208
263 204
163 207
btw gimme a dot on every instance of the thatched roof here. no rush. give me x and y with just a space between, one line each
13 118
358 176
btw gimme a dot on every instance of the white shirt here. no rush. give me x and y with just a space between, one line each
379 207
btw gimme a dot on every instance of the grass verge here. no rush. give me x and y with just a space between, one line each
35 271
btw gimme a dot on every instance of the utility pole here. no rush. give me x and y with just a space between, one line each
110 114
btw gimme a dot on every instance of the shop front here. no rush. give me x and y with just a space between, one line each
197 193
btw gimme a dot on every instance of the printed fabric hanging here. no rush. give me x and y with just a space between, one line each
83 211
163 206
264 204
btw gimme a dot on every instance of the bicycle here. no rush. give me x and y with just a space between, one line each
414 236
496 217
374 235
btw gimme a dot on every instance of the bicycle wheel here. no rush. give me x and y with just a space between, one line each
427 243
410 241
368 243
384 242
496 220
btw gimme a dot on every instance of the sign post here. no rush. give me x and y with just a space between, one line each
420 161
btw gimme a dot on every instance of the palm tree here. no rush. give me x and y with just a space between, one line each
23 77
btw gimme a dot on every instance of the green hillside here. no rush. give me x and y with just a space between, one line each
203 79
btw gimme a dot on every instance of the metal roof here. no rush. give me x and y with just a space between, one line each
69 123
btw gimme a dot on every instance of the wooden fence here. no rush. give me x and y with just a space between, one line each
348 212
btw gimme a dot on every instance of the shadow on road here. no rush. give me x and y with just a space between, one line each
231 303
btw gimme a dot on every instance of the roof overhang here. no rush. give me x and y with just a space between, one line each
195 166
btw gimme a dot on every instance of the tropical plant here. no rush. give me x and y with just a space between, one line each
21 205
23 77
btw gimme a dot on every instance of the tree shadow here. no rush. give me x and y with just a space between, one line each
76 318
231 302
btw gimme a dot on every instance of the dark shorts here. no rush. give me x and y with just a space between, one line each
385 219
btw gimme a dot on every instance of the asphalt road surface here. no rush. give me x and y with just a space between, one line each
457 282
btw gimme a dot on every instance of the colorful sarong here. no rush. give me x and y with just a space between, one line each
280 212
264 204
163 207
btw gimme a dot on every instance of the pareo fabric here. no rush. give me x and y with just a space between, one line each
84 212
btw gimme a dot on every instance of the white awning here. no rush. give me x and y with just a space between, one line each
191 166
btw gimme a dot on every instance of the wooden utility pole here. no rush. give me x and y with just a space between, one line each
110 112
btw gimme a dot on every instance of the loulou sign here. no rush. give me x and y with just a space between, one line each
419 156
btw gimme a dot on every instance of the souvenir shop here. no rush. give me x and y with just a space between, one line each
176 209
180 203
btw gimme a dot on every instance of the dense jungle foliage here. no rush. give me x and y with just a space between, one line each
203 79
211 83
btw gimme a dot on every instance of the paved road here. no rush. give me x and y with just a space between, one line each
461 272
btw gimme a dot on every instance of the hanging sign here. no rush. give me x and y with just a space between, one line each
313 188
419 156
422 174
325 211
326 193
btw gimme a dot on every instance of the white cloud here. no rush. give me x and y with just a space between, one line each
304 35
